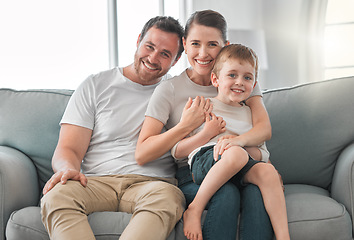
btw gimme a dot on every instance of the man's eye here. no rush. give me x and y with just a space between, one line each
165 55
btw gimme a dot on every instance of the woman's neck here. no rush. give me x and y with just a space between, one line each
203 80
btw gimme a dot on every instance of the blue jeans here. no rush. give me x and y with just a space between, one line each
224 207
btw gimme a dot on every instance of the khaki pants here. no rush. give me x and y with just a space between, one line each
156 206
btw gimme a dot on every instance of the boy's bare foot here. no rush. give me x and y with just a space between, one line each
192 225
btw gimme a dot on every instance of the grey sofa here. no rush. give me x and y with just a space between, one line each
312 147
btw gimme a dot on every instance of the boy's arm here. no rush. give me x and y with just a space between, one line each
213 126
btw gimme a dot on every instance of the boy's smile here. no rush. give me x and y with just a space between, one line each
235 81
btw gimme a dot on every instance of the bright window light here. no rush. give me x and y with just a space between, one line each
52 44
339 38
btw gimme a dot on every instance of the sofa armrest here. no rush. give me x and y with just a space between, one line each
18 184
342 189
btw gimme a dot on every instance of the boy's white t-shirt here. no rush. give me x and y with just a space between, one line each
113 107
238 121
170 97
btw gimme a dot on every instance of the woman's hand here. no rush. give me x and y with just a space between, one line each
195 112
224 143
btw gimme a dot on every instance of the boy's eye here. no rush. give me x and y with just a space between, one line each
248 78
232 75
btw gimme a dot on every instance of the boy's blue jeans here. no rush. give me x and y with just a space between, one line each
224 208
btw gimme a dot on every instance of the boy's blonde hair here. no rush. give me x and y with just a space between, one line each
236 51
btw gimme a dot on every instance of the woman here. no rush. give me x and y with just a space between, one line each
205 35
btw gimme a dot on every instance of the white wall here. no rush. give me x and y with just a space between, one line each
280 19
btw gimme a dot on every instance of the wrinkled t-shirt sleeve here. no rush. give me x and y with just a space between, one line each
160 104
256 91
80 109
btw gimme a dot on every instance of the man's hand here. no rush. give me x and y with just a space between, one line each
63 177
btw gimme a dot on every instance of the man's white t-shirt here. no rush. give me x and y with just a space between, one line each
114 107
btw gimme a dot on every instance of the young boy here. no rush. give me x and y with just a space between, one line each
218 160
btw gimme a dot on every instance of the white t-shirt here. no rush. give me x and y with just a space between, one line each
113 107
238 121
170 97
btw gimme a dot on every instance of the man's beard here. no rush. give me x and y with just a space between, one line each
145 75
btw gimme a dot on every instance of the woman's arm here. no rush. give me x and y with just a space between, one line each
152 144
262 130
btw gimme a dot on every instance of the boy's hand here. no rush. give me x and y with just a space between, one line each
213 125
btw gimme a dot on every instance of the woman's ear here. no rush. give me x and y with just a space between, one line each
184 44
214 79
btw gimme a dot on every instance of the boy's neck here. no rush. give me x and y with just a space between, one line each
234 104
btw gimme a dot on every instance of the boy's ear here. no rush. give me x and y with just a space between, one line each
214 79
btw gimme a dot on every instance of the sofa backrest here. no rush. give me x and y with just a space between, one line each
29 122
311 124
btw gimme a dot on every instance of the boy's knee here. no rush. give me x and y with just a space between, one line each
236 153
266 172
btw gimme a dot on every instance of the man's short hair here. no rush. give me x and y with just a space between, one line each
166 24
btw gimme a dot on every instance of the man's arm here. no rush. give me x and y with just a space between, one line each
66 162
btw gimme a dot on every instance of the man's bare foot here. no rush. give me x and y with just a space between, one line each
192 225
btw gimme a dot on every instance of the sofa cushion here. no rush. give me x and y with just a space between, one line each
32 126
26 224
311 212
311 124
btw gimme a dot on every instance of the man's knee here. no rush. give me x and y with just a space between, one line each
61 197
163 198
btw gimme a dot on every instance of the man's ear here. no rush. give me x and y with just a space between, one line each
138 41
214 79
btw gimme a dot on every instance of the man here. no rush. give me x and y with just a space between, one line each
94 164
